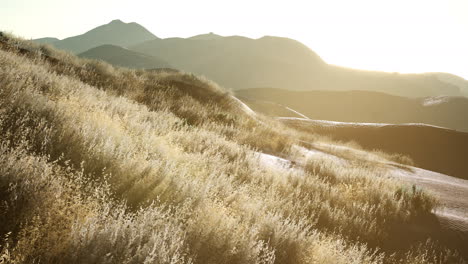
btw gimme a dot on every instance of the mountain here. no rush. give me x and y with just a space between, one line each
236 61
239 62
46 40
123 57
432 148
115 33
360 106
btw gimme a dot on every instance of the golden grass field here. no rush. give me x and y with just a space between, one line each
109 165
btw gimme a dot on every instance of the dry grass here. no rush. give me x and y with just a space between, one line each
108 165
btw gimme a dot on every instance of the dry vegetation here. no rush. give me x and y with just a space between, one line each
107 165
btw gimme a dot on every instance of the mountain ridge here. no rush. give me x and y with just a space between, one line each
238 62
283 62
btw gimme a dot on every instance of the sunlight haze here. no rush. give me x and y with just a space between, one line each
395 36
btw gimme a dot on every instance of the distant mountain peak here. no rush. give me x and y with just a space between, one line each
115 32
207 36
47 40
116 21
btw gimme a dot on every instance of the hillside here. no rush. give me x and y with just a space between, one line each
123 57
239 62
111 165
360 107
432 148
115 33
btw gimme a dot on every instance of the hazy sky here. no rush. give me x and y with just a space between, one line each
394 35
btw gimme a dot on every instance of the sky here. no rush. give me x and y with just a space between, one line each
395 36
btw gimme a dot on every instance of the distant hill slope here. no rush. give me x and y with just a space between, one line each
46 40
432 148
115 33
239 62
361 106
453 79
123 57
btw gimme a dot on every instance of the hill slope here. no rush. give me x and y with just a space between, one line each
109 165
115 33
361 107
123 57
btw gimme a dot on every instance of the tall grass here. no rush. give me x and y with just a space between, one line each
108 165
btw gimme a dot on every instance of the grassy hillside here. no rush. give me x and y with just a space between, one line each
122 57
239 62
360 106
107 165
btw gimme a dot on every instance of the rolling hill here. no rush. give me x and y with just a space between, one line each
123 57
115 33
360 106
